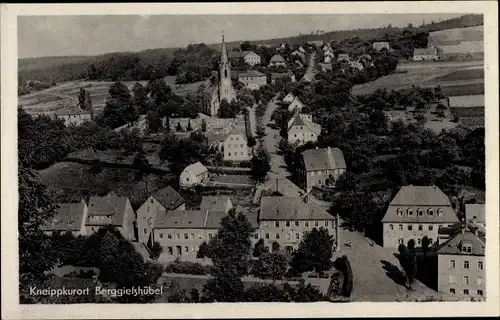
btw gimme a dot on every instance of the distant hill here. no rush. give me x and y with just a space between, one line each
58 69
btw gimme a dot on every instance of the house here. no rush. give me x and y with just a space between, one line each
181 232
474 213
253 79
220 86
325 67
250 57
286 220
216 203
420 54
327 59
70 217
288 98
301 129
416 212
216 140
163 199
461 265
299 54
111 210
317 43
236 147
302 50
282 75
193 175
343 57
381 45
277 61
296 105
320 167
356 65
73 116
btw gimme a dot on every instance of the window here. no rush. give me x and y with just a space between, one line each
145 231
410 227
306 223
391 227
430 240
319 181
466 279
178 236
297 236
430 228
193 249
186 249
312 173
452 264
297 223
440 212
277 236
479 292
400 212
420 227
431 212
210 236
267 235
186 236
466 248
161 235
451 279
400 227
200 237
401 241
295 135
277 224
452 291
287 223
410 211
420 212
192 236
170 251
466 291
151 201
419 241
237 138
479 281
326 223
316 223
480 265
466 264
229 153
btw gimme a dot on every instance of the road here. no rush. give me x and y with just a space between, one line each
311 69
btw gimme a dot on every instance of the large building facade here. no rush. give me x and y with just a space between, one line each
321 167
221 86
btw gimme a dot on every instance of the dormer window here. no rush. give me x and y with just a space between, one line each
440 212
420 212
400 212
466 247
431 212
410 212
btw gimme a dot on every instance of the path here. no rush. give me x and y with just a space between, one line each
311 69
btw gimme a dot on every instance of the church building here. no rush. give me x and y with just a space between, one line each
220 86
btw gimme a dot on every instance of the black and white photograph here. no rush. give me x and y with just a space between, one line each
270 158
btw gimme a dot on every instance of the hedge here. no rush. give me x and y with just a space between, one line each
188 267
343 265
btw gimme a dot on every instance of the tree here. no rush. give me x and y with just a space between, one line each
195 295
140 98
84 101
270 266
260 165
259 248
119 108
35 208
275 246
156 250
154 121
408 260
314 252
203 251
232 246
178 128
189 128
346 182
228 110
425 244
224 286
203 125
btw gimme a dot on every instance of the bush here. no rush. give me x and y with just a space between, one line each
251 142
343 265
187 267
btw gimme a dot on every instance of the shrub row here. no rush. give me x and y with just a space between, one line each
188 268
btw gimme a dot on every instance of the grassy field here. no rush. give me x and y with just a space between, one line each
464 74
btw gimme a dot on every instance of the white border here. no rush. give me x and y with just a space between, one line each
10 303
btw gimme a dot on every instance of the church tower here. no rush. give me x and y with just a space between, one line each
225 84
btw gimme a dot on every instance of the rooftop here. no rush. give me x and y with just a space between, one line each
214 203
252 73
111 206
188 219
454 245
291 208
323 159
196 168
69 217
169 198
277 58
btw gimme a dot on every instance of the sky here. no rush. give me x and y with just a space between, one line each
40 36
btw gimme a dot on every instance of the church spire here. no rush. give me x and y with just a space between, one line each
223 57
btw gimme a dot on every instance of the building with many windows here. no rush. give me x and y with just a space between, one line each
416 212
301 129
320 167
70 217
250 57
461 268
236 147
253 79
286 220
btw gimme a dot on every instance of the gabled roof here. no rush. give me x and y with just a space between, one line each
475 211
236 132
182 219
277 58
424 198
239 54
252 215
323 159
69 217
169 198
196 168
214 203
109 205
218 137
299 121
454 244
213 219
252 73
291 208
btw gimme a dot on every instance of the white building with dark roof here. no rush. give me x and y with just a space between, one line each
70 217
416 212
286 220
73 116
320 167
420 54
277 61
236 147
216 203
380 45
253 79
249 57
164 199
301 129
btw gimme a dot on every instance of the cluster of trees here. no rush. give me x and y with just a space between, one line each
193 63
33 86
180 152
